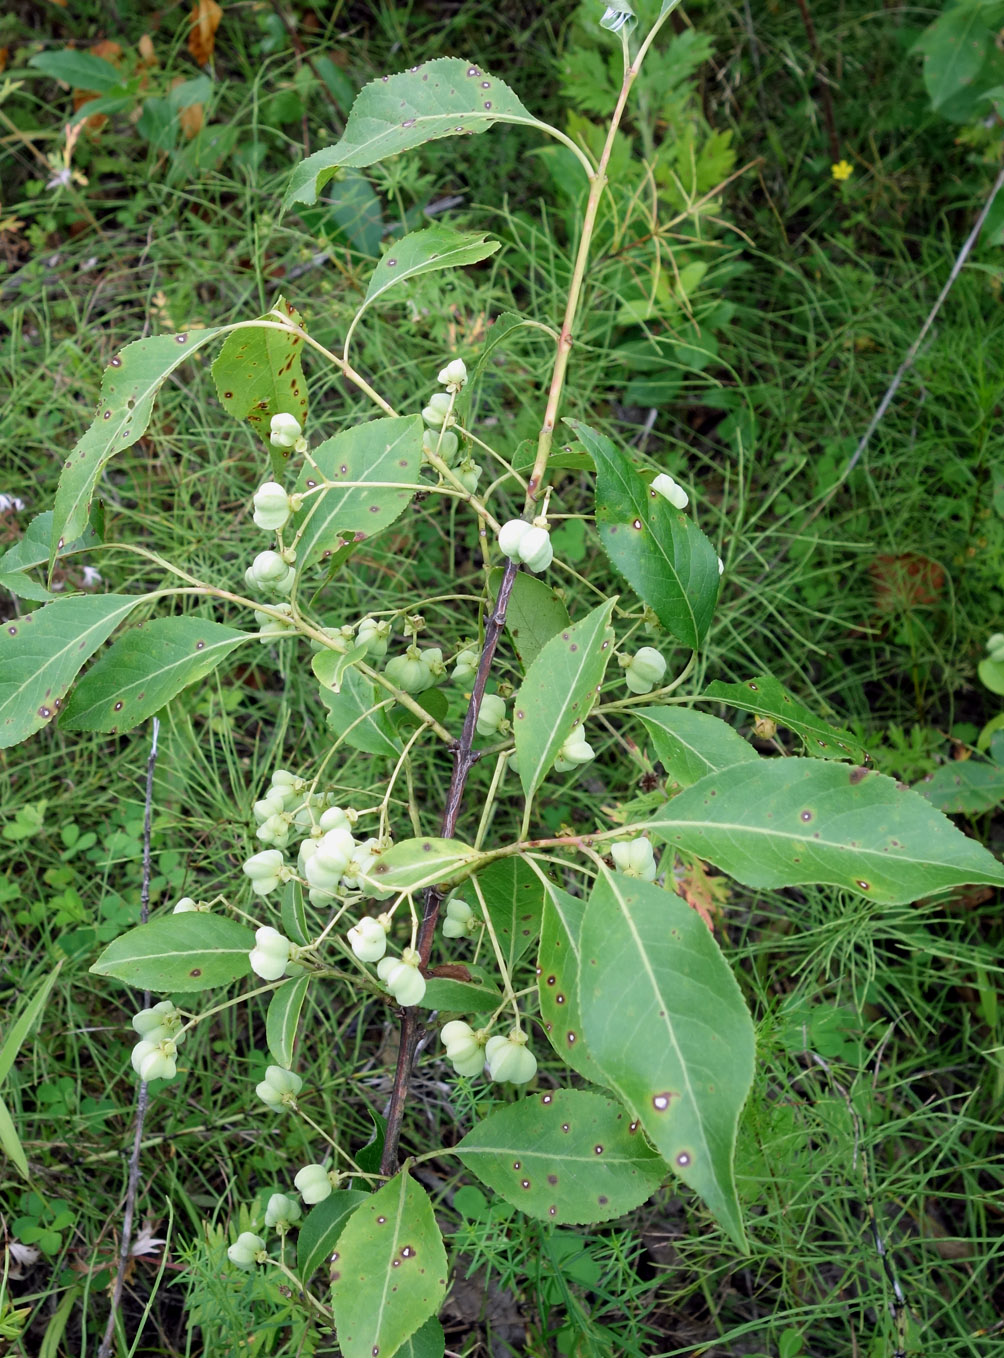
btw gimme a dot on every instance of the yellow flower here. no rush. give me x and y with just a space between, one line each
843 169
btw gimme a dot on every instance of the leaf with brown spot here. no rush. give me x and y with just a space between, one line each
391 1270
666 1022
566 1156
179 952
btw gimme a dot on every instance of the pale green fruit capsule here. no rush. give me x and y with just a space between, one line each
460 921
665 486
409 671
270 805
465 667
334 852
646 669
163 1015
374 636
271 506
270 954
509 1060
282 1212
445 445
186 906
433 657
535 550
463 1048
275 629
275 831
511 534
491 716
368 939
362 861
454 375
337 818
469 474
279 1087
155 1060
313 1184
436 412
284 431
402 977
244 1253
635 858
575 750
267 569
264 870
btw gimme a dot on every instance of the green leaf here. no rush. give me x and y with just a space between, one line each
964 787
388 1275
446 97
558 963
514 895
767 698
33 548
24 587
566 1156
19 1027
293 913
146 668
181 952
351 212
414 863
13 1038
10 1142
330 667
991 674
41 653
79 70
283 1018
128 390
428 1342
789 822
461 997
558 692
691 744
954 48
351 715
535 614
666 1022
499 331
321 1228
373 469
435 247
258 374
662 554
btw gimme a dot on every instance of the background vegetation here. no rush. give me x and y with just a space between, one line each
746 314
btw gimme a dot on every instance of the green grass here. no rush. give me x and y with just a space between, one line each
879 1074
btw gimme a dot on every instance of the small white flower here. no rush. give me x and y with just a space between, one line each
12 502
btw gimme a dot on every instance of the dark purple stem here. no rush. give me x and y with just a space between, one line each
464 760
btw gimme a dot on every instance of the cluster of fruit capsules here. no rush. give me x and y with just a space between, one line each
161 1032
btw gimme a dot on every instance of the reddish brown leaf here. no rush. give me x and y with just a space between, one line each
203 22
906 581
191 118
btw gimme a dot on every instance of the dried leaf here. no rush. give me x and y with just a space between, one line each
703 893
191 116
203 22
